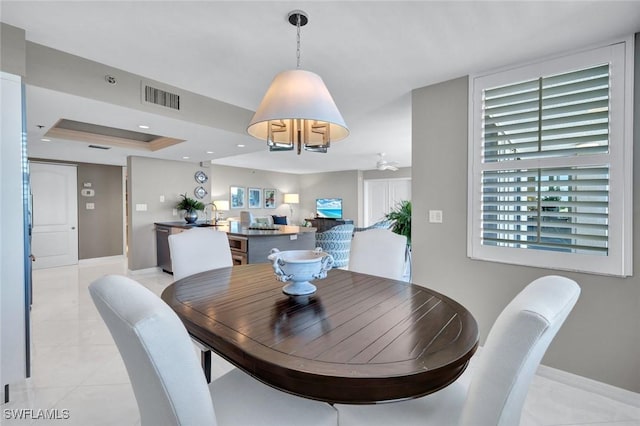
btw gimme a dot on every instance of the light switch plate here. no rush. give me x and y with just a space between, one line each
435 216
141 207
90 206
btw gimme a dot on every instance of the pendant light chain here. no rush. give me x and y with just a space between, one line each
298 42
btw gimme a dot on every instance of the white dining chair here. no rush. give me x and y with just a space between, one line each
197 250
168 384
493 391
378 252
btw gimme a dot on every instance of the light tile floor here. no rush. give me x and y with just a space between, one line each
76 365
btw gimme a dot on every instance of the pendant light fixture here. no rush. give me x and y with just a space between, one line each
297 110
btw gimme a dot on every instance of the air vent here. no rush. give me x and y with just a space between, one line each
161 97
99 147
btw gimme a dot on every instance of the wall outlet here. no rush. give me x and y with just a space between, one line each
293 237
162 198
174 212
90 206
435 216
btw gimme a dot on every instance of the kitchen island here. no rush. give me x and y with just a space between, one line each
247 245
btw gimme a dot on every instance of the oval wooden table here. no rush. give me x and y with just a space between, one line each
359 339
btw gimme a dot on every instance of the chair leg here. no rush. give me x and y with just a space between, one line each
205 357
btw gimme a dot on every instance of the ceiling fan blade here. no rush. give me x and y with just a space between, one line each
383 164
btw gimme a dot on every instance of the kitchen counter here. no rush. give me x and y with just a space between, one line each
184 225
247 245
235 228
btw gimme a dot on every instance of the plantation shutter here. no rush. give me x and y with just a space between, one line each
550 123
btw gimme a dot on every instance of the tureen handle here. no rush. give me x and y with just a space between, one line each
327 262
277 265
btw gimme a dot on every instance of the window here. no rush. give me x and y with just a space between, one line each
550 149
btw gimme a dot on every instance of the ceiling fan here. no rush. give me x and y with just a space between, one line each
383 164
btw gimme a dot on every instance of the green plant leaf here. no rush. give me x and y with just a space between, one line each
189 204
401 217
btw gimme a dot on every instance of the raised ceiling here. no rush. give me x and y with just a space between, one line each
371 55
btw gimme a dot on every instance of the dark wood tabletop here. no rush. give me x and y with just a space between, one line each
359 339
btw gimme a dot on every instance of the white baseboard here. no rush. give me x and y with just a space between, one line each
580 382
153 270
99 260
618 394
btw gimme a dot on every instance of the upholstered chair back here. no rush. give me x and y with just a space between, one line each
163 368
337 242
198 250
378 252
513 350
492 391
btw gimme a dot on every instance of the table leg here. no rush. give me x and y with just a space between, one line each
205 357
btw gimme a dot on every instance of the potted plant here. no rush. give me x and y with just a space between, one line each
400 215
190 207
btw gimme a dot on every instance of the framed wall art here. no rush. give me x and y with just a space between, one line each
237 197
255 198
269 198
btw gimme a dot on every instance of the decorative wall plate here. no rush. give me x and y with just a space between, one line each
200 192
201 177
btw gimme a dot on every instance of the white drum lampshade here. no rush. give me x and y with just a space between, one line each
297 110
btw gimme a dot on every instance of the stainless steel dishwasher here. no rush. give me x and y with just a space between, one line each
162 248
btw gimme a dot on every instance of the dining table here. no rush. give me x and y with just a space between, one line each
359 339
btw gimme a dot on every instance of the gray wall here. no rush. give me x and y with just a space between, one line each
13 52
63 72
225 176
147 180
100 230
346 185
601 338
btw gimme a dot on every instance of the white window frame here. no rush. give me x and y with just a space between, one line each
618 262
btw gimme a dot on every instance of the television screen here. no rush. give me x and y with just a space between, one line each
330 208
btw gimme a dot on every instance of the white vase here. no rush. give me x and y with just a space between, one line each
298 267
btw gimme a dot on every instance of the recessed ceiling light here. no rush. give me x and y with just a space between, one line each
143 126
45 140
240 145
209 152
185 158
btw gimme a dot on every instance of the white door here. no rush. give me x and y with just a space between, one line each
55 215
382 195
